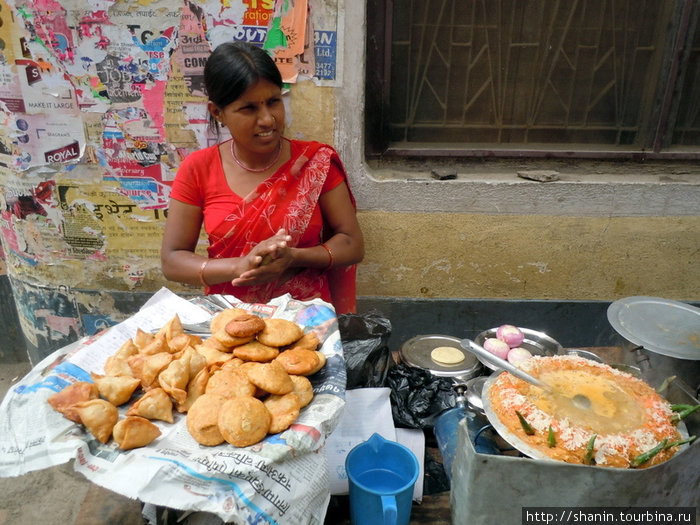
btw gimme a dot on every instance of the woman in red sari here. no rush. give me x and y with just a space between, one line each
278 213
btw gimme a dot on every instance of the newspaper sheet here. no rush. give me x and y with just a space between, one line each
283 479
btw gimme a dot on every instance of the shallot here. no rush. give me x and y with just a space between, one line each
497 347
511 335
517 355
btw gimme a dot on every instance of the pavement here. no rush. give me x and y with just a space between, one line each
58 495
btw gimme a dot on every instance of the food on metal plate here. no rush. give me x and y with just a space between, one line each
447 355
157 373
497 347
626 419
517 355
511 335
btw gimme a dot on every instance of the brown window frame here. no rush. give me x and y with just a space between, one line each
656 142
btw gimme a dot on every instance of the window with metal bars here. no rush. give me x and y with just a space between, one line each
543 78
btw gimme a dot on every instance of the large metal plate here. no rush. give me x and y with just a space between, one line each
522 446
416 352
667 327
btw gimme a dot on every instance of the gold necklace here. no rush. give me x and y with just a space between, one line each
255 170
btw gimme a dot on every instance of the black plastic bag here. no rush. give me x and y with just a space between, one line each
365 348
417 396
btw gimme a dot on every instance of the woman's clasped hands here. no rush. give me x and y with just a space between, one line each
267 261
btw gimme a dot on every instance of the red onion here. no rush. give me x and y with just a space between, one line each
517 355
511 335
497 347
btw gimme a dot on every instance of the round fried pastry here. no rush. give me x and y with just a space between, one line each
309 341
245 325
271 377
256 351
244 421
321 362
220 319
203 419
228 341
284 411
280 332
230 382
298 361
303 389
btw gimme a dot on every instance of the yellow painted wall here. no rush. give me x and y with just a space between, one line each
451 255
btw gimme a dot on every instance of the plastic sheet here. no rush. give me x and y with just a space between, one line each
418 397
365 348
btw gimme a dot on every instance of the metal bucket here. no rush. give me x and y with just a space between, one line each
661 337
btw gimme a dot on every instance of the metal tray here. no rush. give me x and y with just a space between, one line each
667 327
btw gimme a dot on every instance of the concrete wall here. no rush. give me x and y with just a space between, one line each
602 232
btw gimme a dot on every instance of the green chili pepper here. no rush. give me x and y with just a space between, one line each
526 426
683 411
551 440
646 456
680 442
663 386
588 458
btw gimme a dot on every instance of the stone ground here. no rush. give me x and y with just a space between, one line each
58 495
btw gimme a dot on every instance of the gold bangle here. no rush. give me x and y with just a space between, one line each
201 273
330 257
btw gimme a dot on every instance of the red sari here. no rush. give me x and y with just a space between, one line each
287 199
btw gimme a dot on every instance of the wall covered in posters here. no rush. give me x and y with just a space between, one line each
100 101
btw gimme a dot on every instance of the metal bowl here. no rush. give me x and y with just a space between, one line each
538 343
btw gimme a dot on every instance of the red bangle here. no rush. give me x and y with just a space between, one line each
201 273
330 257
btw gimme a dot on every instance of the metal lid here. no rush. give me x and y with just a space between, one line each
667 327
416 352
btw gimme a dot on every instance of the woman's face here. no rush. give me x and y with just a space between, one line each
256 119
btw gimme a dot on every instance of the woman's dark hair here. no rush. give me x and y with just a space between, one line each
231 69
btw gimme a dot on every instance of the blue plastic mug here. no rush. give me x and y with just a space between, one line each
381 476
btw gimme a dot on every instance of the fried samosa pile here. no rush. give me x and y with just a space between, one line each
245 381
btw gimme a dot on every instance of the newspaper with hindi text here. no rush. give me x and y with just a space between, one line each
281 480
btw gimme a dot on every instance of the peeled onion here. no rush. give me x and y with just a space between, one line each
517 355
497 347
511 335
